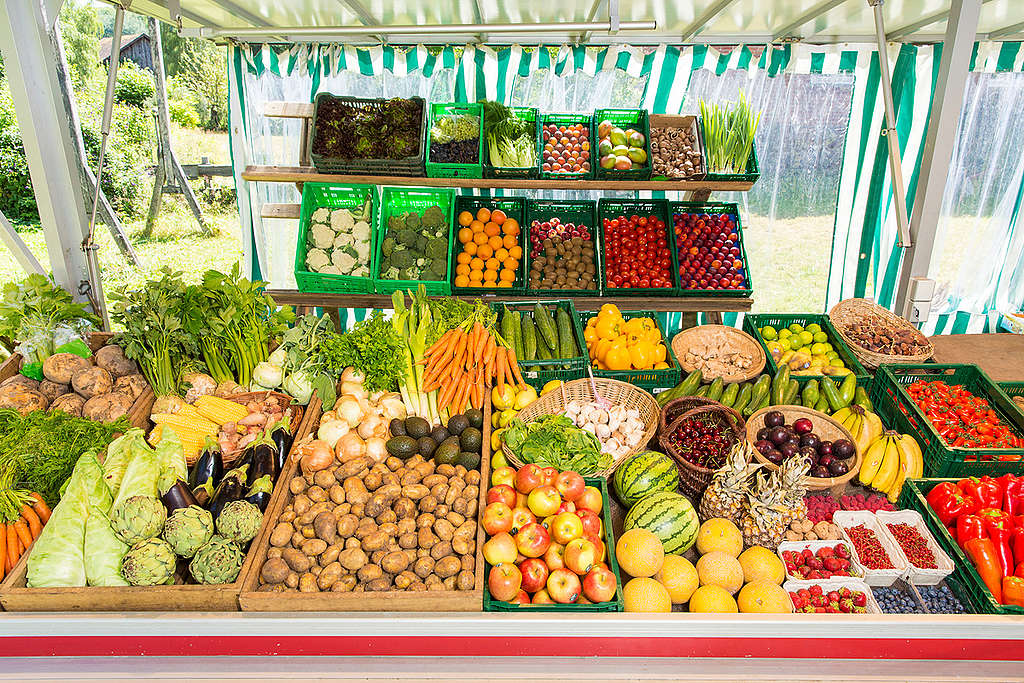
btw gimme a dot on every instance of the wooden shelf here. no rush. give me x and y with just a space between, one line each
302 174
669 304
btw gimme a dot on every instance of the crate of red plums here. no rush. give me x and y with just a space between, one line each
638 247
709 245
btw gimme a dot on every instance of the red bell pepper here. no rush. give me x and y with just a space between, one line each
1013 497
1020 570
1017 545
982 552
968 528
1013 591
999 526
985 490
1018 521
949 502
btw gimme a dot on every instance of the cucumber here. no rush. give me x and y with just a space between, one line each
703 391
529 338
517 335
761 389
746 391
546 325
847 389
715 389
860 397
544 353
729 395
664 397
753 407
506 325
779 385
792 392
810 394
830 392
691 383
566 338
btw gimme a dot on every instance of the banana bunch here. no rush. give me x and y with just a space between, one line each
890 460
863 424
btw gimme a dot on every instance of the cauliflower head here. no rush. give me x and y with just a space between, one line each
361 230
321 215
362 251
343 240
343 260
321 236
341 220
317 260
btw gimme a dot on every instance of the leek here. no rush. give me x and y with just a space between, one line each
729 135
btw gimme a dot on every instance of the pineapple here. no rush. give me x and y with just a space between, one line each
724 497
791 479
764 518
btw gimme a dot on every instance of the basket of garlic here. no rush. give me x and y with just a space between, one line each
623 417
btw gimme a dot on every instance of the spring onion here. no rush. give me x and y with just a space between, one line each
729 134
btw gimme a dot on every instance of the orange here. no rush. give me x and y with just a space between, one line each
465 235
764 597
491 276
498 216
508 241
461 281
490 284
511 263
462 269
510 227
507 275
477 226
465 218
720 569
712 599
679 576
640 553
515 251
645 595
493 264
483 215
480 238
503 283
470 248
485 252
495 242
476 276
501 254
492 228
464 257
477 264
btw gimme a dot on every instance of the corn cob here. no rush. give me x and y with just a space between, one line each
188 410
202 426
191 440
220 410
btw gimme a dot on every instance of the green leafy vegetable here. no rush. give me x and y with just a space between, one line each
729 134
37 302
554 441
103 550
510 139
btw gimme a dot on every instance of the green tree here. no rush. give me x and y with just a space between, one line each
80 28
204 71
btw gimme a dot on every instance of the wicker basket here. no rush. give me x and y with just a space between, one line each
293 410
615 392
849 312
824 426
693 479
737 341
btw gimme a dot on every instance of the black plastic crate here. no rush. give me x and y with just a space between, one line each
408 166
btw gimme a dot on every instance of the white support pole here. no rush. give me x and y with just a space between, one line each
25 258
961 27
27 46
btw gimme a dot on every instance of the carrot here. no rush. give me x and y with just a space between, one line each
440 345
478 396
514 366
12 546
3 546
500 368
32 519
462 394
447 393
24 535
41 508
478 341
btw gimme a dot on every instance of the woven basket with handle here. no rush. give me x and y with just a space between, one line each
293 410
849 312
730 340
694 479
616 393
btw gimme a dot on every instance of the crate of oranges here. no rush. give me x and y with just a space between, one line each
629 346
488 254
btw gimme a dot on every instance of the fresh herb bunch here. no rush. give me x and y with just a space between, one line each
39 450
11 499
371 346
38 303
447 313
729 134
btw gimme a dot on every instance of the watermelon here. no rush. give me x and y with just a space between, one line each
643 474
669 516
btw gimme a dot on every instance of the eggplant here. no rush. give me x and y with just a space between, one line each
259 492
178 496
281 435
232 487
209 466
263 461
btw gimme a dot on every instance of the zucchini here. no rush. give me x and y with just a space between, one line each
822 406
566 339
743 399
546 325
753 407
810 395
779 385
830 392
517 335
529 338
506 325
729 395
847 389
792 392
691 383
761 389
715 389
703 391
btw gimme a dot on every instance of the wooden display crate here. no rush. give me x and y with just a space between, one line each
15 596
254 600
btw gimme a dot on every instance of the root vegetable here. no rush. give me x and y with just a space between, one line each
71 404
112 359
92 381
106 407
61 367
20 398
130 385
52 390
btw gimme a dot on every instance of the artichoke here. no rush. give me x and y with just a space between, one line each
138 518
188 529
239 521
219 561
149 563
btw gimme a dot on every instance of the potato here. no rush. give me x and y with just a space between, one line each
352 559
316 494
404 580
444 529
464 581
369 572
448 566
326 527
130 385
347 525
22 380
71 404
297 560
22 399
328 576
292 580
394 562
112 359
274 571
281 535
330 555
423 567
274 552
313 546
307 583
92 381
379 585
297 485
468 563
106 407
60 367
52 390
345 584
463 545
407 540
375 541
441 549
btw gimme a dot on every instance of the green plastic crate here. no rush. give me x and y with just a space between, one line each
898 411
680 208
613 208
638 120
320 195
492 605
514 207
447 170
580 212
397 200
753 169
537 373
645 379
753 322
1012 388
530 115
567 120
974 590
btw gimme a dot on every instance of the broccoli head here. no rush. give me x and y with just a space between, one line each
387 246
406 238
437 248
401 258
433 217
436 271
421 243
412 221
395 223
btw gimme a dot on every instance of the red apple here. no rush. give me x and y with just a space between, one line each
502 493
565 527
590 499
541 597
503 475
520 500
497 517
547 522
583 601
501 549
563 586
522 598
554 558
504 581
533 540
528 478
580 555
535 574
520 518
550 475
544 500
592 525
599 544
566 506
570 485
599 585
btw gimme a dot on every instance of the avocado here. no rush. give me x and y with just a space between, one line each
457 423
470 461
447 452
471 439
427 446
402 447
475 417
416 427
439 433
398 427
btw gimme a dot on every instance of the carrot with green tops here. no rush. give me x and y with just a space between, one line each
3 547
24 535
35 526
41 508
514 366
12 547
440 345
444 397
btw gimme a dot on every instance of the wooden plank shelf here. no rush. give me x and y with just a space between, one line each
592 303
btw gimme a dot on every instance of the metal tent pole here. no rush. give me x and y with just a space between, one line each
25 258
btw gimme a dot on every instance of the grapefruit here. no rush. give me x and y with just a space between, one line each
712 599
764 597
761 564
719 534
645 595
720 569
640 553
679 576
